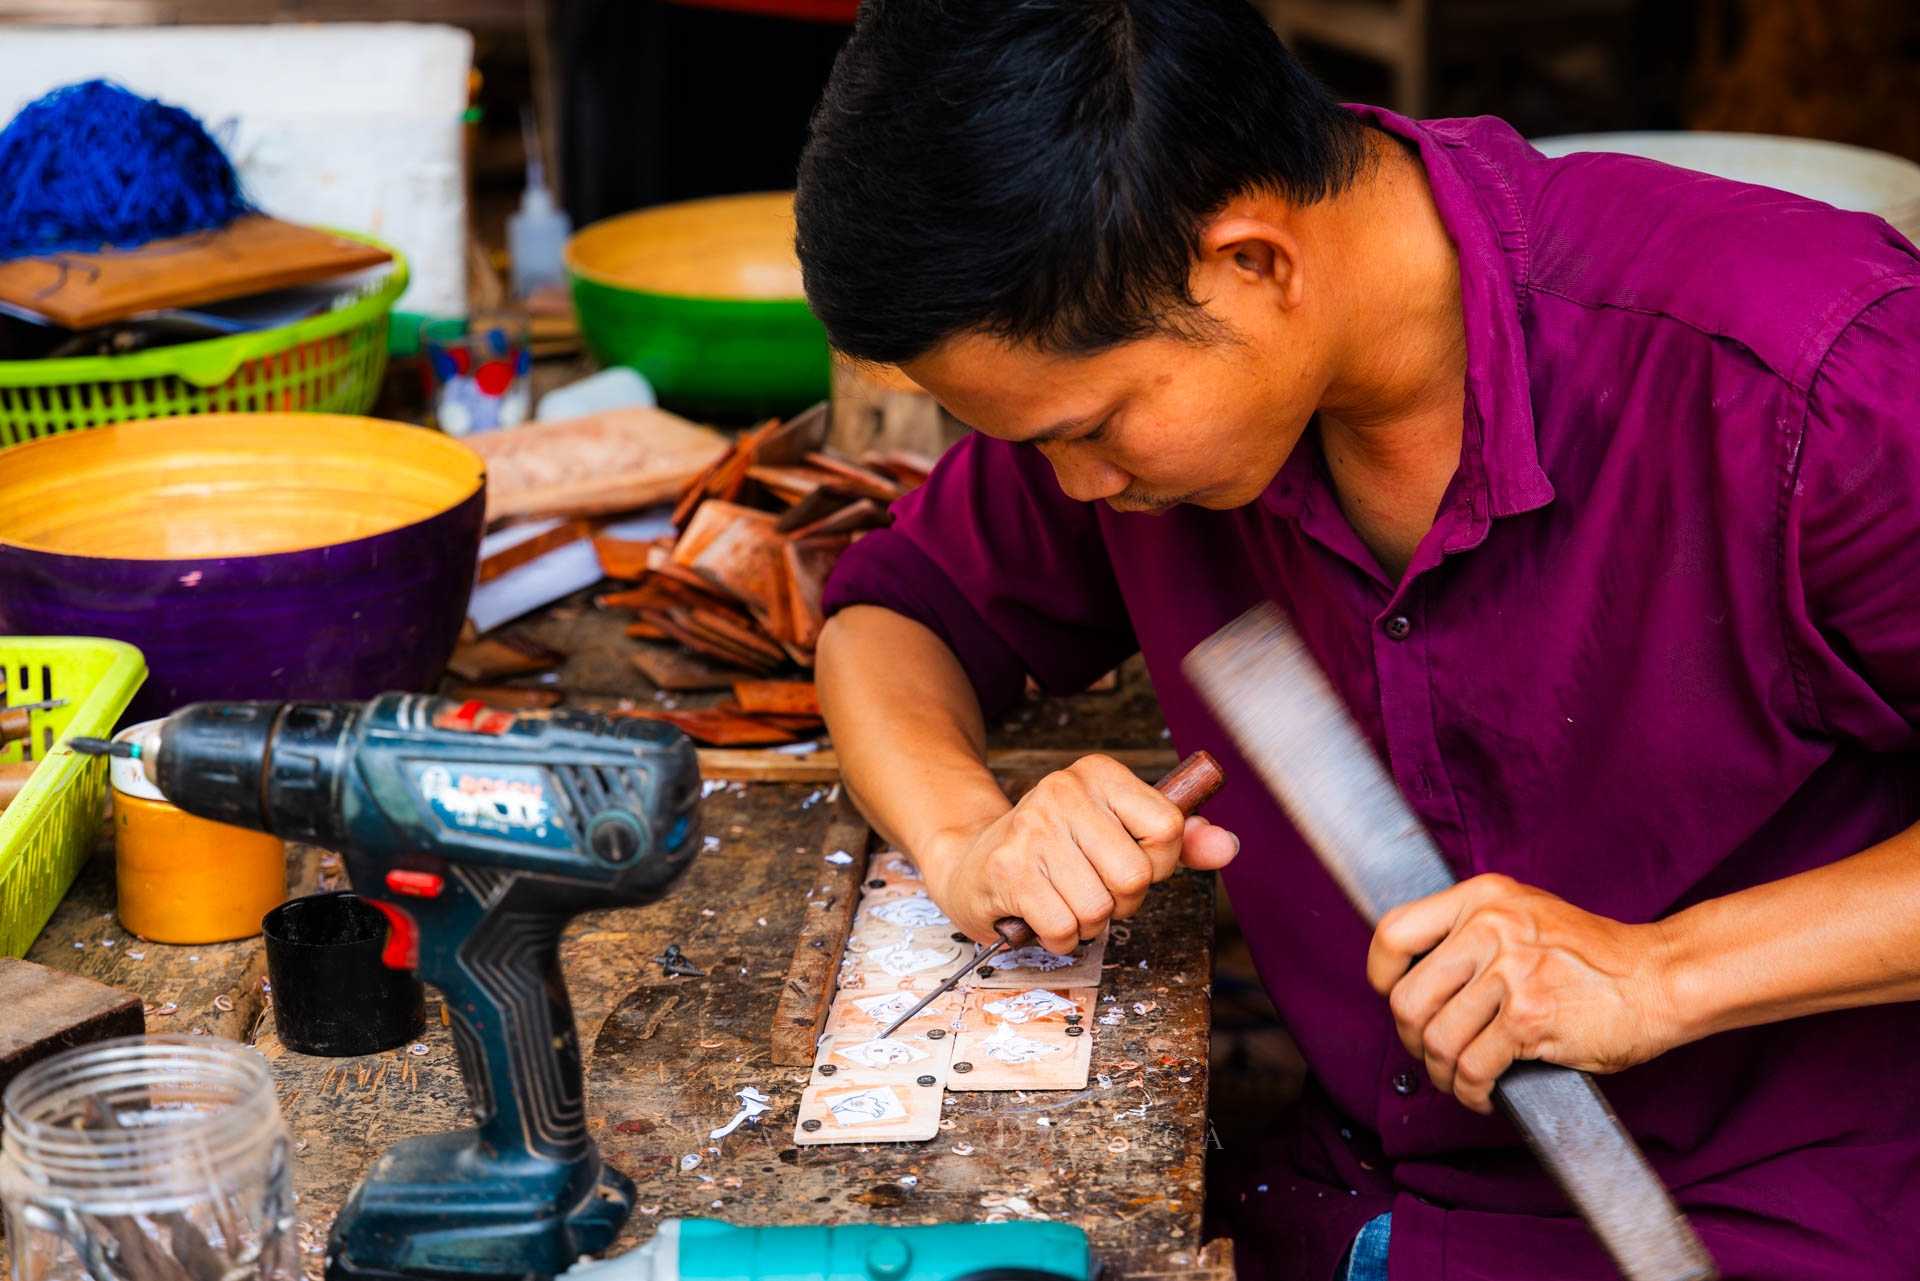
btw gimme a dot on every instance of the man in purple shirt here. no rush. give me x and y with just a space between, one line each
1592 484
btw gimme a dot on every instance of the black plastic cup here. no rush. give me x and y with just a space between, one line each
332 994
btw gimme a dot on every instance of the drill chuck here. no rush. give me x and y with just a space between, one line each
273 767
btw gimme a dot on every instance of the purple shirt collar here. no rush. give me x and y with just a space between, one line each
1500 473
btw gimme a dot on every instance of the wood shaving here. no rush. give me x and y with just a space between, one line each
658 1017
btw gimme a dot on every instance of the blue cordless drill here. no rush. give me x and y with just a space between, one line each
479 834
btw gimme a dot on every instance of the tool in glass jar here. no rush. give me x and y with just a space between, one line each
157 1158
1189 785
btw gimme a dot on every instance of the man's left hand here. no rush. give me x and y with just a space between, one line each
1491 971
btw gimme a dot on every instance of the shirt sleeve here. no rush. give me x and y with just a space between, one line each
1853 531
1003 566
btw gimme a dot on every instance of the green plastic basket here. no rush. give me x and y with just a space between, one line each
48 831
330 364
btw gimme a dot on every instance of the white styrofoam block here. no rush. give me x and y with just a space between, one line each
540 581
350 125
644 526
615 387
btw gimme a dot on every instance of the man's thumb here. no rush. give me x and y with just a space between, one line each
1207 847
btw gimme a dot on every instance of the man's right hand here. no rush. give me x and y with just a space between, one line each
1079 849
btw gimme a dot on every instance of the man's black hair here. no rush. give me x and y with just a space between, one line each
1039 170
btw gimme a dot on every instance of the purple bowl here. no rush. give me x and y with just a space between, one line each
247 556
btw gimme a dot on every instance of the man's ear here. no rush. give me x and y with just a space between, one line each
1241 247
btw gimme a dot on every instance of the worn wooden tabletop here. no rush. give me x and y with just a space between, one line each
1123 1159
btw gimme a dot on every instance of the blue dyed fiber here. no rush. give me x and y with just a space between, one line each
92 164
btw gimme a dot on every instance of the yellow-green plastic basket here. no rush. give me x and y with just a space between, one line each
329 364
46 834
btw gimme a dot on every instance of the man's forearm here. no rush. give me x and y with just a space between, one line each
907 728
1839 936
1490 971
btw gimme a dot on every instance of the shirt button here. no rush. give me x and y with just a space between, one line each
1399 627
1404 1083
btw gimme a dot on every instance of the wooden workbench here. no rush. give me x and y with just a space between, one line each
665 1056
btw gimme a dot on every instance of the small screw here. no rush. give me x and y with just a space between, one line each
810 1125
876 884
828 1069
963 1067
936 1033
926 1080
985 971
1075 1030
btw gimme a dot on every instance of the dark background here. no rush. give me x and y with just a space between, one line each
647 101
667 100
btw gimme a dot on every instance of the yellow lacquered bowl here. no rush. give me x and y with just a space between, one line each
247 555
704 298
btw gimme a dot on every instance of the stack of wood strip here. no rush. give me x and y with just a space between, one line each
739 582
760 714
731 598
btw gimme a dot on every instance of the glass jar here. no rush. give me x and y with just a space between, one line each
156 1158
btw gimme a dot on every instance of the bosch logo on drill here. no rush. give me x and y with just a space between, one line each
476 799
508 801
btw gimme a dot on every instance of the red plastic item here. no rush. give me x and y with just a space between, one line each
494 377
403 938
475 717
415 884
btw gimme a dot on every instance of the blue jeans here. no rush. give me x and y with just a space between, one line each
1367 1256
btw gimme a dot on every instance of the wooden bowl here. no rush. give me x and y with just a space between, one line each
704 299
247 555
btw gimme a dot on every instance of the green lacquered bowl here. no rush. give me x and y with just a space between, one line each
704 299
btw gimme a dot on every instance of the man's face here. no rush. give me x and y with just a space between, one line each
1155 422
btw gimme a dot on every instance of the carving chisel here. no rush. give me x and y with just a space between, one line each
1265 688
1188 785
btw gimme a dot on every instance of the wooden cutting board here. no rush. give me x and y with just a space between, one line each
251 256
44 1011
617 460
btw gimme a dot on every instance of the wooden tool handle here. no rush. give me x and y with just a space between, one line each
1190 784
1015 932
15 723
13 779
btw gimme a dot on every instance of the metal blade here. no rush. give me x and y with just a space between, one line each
980 958
1266 689
1263 685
